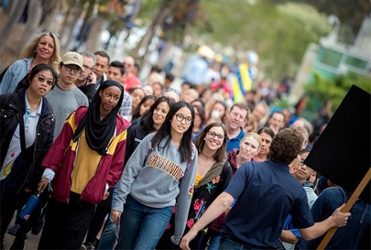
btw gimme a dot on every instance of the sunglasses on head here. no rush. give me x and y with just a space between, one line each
46 31
171 90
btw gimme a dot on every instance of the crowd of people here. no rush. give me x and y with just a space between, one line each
120 163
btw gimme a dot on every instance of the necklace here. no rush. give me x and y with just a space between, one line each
209 157
206 159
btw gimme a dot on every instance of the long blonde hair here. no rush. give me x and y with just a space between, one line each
29 49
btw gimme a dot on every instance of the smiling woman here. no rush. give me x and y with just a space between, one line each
147 192
212 176
249 146
41 49
27 126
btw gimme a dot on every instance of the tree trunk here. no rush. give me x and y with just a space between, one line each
11 6
66 18
16 11
75 15
160 15
93 40
51 8
34 16
87 9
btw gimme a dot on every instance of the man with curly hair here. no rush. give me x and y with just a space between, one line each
265 193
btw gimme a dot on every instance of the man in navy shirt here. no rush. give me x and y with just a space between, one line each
266 193
236 119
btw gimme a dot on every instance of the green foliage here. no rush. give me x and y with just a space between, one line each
282 103
351 14
148 8
325 89
279 33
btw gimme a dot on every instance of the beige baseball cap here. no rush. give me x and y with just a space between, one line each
72 57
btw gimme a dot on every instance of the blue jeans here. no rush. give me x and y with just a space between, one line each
140 226
108 237
227 244
214 242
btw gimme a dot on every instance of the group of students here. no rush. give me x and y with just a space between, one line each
156 177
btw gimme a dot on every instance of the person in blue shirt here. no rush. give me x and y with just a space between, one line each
266 193
356 234
236 119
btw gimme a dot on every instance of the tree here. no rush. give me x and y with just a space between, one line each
350 13
279 33
324 89
13 12
34 14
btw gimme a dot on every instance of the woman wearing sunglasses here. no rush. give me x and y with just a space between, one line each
212 176
159 173
43 48
27 127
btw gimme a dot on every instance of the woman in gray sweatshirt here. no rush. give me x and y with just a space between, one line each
158 174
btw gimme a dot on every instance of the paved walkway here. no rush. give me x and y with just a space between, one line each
31 243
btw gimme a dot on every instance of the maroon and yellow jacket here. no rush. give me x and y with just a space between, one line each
61 158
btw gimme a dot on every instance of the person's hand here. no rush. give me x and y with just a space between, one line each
92 78
184 244
115 215
106 194
42 184
340 219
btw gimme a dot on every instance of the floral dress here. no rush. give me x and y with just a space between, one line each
203 195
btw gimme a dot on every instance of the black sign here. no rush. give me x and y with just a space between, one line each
342 152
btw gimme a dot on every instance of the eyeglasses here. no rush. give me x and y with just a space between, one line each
87 67
171 90
237 116
128 64
43 79
51 32
180 118
213 134
72 69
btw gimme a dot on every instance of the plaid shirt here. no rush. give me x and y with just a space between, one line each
126 106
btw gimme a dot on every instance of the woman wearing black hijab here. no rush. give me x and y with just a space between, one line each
84 164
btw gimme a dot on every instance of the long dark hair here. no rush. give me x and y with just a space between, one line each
185 148
136 111
200 142
147 118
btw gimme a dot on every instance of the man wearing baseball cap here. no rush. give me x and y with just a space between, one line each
66 97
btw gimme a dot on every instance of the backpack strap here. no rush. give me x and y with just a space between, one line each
21 127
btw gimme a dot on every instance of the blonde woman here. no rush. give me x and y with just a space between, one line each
249 147
44 48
